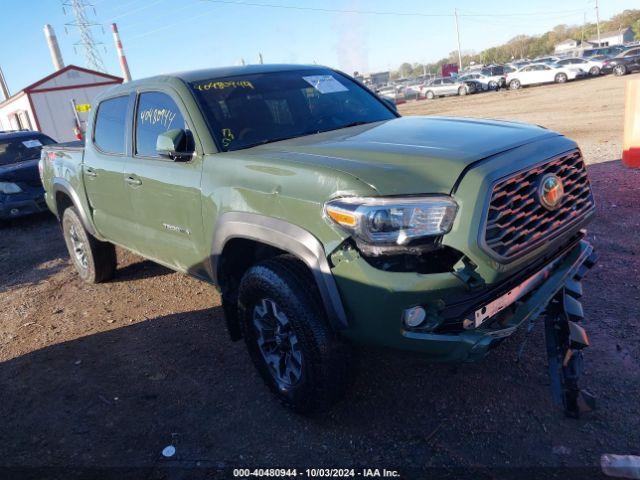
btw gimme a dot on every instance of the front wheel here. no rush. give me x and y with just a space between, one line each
561 78
514 84
462 91
594 71
493 85
95 261
430 95
288 337
619 70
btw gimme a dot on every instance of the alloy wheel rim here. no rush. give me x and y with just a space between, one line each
278 343
78 246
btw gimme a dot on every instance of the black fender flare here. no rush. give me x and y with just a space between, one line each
60 185
290 238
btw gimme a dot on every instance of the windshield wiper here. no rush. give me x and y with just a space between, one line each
355 124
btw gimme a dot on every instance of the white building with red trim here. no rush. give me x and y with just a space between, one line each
47 105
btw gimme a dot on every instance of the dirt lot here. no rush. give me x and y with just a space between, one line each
104 377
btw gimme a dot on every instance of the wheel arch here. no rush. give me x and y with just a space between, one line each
64 196
286 238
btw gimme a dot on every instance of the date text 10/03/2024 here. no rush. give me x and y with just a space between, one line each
316 473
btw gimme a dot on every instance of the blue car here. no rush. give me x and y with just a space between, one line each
21 191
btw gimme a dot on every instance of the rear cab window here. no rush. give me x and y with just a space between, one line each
109 133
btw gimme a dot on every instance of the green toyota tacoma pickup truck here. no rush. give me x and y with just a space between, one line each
328 220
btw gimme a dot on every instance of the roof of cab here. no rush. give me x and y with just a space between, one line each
215 73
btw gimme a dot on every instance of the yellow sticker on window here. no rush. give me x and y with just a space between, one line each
222 85
227 137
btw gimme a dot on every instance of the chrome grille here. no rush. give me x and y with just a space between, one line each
516 220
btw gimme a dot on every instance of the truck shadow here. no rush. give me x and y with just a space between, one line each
139 270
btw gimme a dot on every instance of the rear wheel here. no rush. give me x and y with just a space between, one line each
619 70
594 71
462 91
430 95
288 337
561 77
493 85
514 84
94 260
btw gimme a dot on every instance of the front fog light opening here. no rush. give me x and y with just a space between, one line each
414 317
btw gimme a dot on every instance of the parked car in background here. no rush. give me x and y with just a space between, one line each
444 86
590 65
394 94
488 82
21 191
548 59
412 89
625 62
473 85
540 73
611 51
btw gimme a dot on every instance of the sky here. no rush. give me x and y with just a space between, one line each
161 36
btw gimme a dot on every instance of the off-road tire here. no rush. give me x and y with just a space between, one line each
619 70
325 365
99 262
514 84
561 78
594 71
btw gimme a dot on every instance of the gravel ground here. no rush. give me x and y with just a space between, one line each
101 378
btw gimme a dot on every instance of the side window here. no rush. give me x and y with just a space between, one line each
110 125
157 113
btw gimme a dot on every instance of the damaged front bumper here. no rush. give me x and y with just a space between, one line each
474 344
375 319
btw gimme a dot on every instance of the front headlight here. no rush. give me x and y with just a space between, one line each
8 187
393 220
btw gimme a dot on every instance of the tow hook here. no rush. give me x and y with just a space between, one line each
565 340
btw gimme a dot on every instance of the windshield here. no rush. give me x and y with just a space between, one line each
22 148
248 110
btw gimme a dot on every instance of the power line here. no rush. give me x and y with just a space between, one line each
382 12
136 10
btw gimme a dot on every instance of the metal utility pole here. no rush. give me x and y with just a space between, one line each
598 21
584 24
455 13
87 42
124 65
260 59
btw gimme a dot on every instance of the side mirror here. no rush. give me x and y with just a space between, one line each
174 144
390 103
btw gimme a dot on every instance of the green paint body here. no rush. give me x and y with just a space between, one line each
171 217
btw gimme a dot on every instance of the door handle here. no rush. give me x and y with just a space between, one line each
133 180
90 172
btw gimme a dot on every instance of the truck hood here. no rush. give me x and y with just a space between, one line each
406 155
